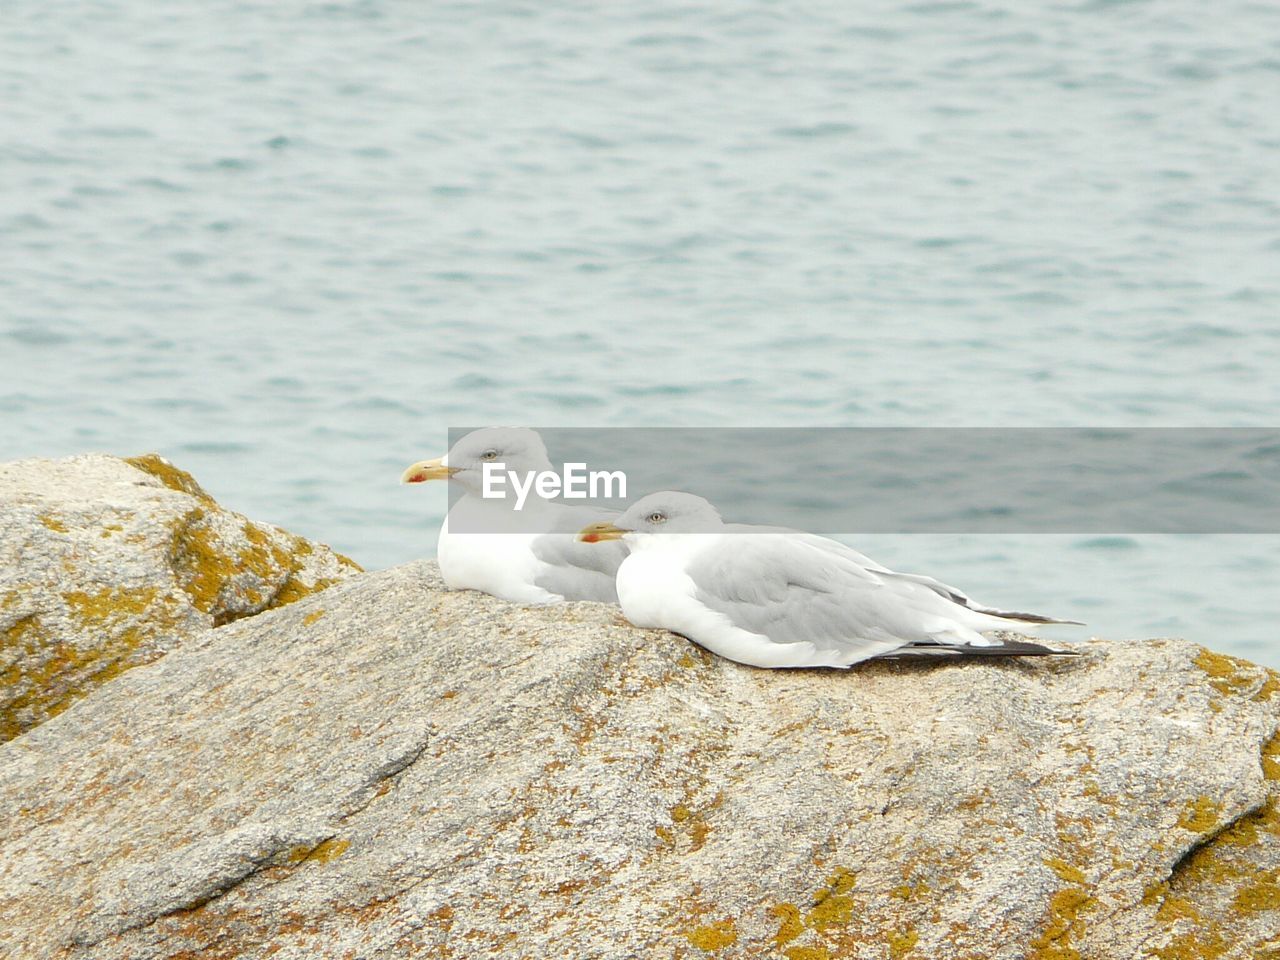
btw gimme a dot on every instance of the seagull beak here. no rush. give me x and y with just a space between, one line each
425 470
596 532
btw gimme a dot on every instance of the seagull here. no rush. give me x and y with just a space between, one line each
530 555
773 597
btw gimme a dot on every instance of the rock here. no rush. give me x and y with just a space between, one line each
390 770
106 563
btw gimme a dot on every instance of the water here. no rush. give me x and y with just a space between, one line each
289 244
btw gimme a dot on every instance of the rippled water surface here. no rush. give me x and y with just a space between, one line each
289 244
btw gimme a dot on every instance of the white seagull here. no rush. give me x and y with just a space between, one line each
531 555
772 597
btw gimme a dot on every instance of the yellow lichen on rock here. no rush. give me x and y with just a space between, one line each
1171 908
1063 925
832 903
125 557
691 822
53 523
1271 758
329 850
1200 815
577 844
201 567
1064 870
1262 894
1232 675
171 476
1220 886
110 604
790 925
807 953
902 943
833 906
1270 687
1190 946
44 673
232 567
714 936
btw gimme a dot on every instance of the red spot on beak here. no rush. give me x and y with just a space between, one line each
590 538
417 478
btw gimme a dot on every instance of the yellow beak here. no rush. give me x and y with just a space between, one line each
425 470
596 532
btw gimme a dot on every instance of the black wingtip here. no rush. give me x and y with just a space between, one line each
1032 618
1009 648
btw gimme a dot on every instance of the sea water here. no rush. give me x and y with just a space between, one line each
289 244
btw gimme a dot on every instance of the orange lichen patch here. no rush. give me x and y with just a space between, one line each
1200 815
312 617
714 936
902 943
172 477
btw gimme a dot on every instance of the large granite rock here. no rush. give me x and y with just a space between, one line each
389 770
106 563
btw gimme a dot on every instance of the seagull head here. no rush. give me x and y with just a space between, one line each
659 513
517 449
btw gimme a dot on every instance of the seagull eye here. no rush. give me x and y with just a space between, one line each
656 517
489 455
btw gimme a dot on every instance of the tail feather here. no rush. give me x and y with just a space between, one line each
1006 648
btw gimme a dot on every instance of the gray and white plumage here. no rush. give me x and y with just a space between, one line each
526 556
772 597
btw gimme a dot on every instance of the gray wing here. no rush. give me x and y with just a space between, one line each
794 589
937 586
791 590
576 570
